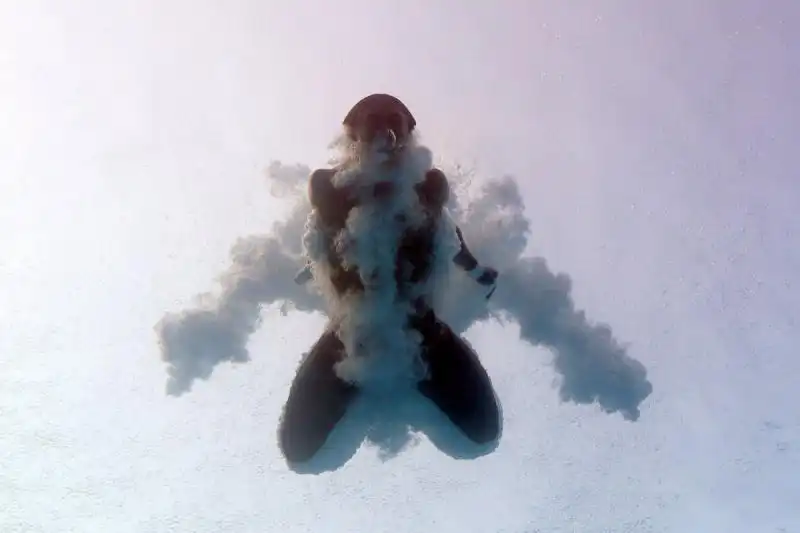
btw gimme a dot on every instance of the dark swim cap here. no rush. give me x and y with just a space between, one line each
378 103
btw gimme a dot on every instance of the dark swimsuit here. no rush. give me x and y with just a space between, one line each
457 382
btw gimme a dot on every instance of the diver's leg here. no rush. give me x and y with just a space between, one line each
457 382
318 399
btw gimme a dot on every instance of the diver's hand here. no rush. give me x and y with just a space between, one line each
304 275
485 277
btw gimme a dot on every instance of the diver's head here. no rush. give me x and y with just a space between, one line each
381 124
378 151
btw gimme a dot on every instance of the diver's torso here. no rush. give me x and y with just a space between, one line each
416 244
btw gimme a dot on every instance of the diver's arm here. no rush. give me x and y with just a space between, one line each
486 276
332 206
331 203
435 192
323 199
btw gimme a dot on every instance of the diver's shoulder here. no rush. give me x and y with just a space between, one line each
322 174
435 189
320 186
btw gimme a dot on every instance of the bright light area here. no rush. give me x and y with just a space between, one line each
632 165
